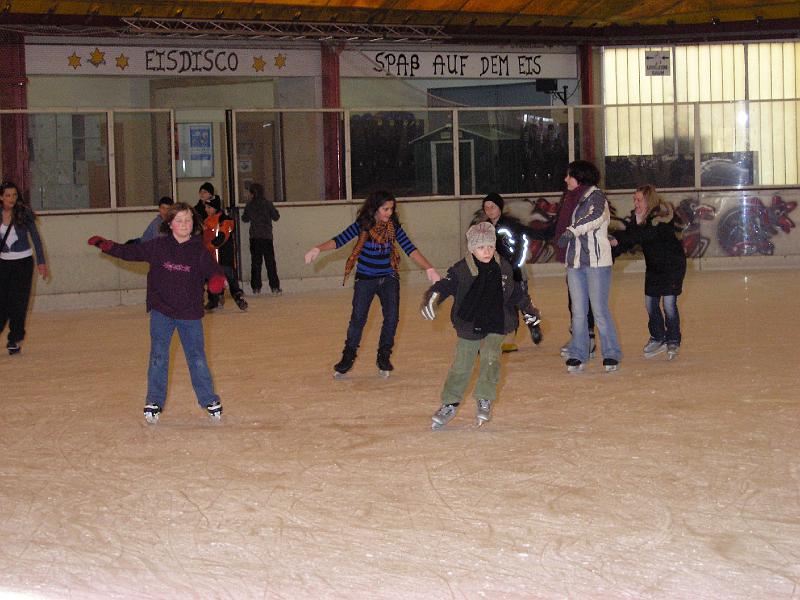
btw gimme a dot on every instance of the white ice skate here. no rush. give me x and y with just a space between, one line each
484 413
672 351
215 411
151 413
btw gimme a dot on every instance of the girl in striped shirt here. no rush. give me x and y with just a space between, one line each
376 258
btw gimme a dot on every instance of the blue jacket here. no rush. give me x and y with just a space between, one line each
590 246
22 244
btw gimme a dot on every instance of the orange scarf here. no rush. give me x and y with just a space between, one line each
381 233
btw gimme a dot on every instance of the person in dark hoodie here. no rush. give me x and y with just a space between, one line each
486 299
180 266
217 230
260 213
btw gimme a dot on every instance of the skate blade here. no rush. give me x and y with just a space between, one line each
384 374
337 375
481 422
672 355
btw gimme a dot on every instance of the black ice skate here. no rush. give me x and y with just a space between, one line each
151 412
536 333
610 365
13 348
241 302
344 365
384 366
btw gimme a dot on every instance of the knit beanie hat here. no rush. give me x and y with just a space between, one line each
482 234
215 203
207 187
496 199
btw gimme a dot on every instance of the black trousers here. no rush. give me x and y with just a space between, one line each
263 249
16 277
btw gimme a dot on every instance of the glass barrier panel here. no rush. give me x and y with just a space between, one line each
513 151
409 153
68 160
296 156
143 157
643 144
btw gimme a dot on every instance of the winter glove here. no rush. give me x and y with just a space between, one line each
216 284
428 306
101 242
532 318
565 238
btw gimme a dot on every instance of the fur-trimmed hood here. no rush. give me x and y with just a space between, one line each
663 212
473 269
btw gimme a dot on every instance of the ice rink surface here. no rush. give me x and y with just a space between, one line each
673 480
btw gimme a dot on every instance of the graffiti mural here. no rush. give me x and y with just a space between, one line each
747 229
690 213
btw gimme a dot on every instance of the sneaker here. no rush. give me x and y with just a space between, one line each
443 416
506 348
151 412
277 291
13 348
484 413
610 365
653 347
574 365
241 302
672 351
215 411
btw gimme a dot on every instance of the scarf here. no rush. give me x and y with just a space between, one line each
381 233
483 304
568 205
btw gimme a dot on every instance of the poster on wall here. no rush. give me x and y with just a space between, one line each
195 157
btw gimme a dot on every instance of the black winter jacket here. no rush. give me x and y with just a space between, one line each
664 257
459 279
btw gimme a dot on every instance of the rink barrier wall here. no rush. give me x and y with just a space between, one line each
83 278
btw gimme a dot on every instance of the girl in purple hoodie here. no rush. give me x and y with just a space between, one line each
180 265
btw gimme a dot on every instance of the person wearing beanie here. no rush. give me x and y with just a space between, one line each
217 230
204 194
513 243
486 299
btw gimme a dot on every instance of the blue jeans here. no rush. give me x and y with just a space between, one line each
664 327
388 291
591 285
191 334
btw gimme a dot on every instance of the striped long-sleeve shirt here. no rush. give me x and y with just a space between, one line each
375 259
590 246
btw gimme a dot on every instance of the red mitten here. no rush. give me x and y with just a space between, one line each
100 242
216 284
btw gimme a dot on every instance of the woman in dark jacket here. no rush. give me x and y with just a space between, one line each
652 226
260 213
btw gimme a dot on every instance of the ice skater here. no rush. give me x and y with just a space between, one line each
486 299
179 268
217 230
652 226
513 243
376 259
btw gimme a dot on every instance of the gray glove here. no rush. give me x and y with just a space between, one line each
428 309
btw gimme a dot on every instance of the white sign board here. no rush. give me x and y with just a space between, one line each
46 59
454 64
656 63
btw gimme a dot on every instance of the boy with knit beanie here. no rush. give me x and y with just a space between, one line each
485 303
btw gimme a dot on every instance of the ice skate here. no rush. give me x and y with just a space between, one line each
241 303
276 291
151 413
443 416
384 366
484 413
672 351
536 333
653 348
344 365
574 365
13 348
610 365
215 411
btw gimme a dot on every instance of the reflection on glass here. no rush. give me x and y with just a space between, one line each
143 159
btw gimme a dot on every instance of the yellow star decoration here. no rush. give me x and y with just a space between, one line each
74 60
259 63
280 60
122 62
97 58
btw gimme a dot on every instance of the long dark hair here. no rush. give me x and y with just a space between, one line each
20 214
197 223
366 214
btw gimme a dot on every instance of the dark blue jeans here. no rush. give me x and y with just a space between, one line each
388 291
664 327
190 332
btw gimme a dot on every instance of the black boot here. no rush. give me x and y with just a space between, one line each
384 366
344 365
536 333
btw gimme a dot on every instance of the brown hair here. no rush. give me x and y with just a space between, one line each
20 214
651 196
197 223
